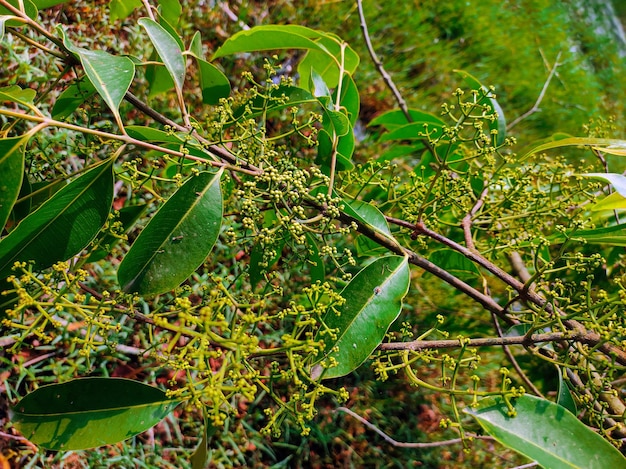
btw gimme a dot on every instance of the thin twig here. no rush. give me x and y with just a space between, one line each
542 94
379 65
400 444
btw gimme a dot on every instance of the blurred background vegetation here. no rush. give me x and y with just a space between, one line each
511 44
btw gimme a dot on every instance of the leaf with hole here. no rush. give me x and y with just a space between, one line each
63 225
546 433
352 331
89 412
177 239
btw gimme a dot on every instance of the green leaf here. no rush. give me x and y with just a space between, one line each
373 300
413 131
396 118
500 123
43 4
213 83
314 260
270 37
614 201
158 77
89 412
611 235
564 396
121 9
603 144
368 214
177 239
64 224
546 433
12 171
454 262
168 49
170 11
150 134
111 75
15 94
25 6
72 97
326 61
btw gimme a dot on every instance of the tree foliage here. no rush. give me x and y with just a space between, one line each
222 231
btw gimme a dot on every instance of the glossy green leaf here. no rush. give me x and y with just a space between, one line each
564 396
368 214
328 61
158 77
12 171
500 123
32 195
373 301
177 239
168 49
89 412
345 149
270 37
314 260
111 75
64 225
546 433
121 9
72 98
213 82
610 235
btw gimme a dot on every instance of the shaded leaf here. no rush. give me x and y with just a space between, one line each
18 95
170 10
89 412
12 171
64 225
150 134
72 98
349 99
177 239
25 6
168 49
110 75
546 433
454 262
413 131
373 300
326 61
564 396
43 4
213 82
127 217
396 118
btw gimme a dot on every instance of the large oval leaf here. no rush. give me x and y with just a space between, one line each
373 301
547 433
177 240
12 170
64 224
89 412
110 75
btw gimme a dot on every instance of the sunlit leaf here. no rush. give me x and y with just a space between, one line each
270 37
413 131
18 95
177 240
43 4
89 412
170 10
121 9
64 224
349 99
546 433
373 300
327 62
616 180
396 118
599 143
168 49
